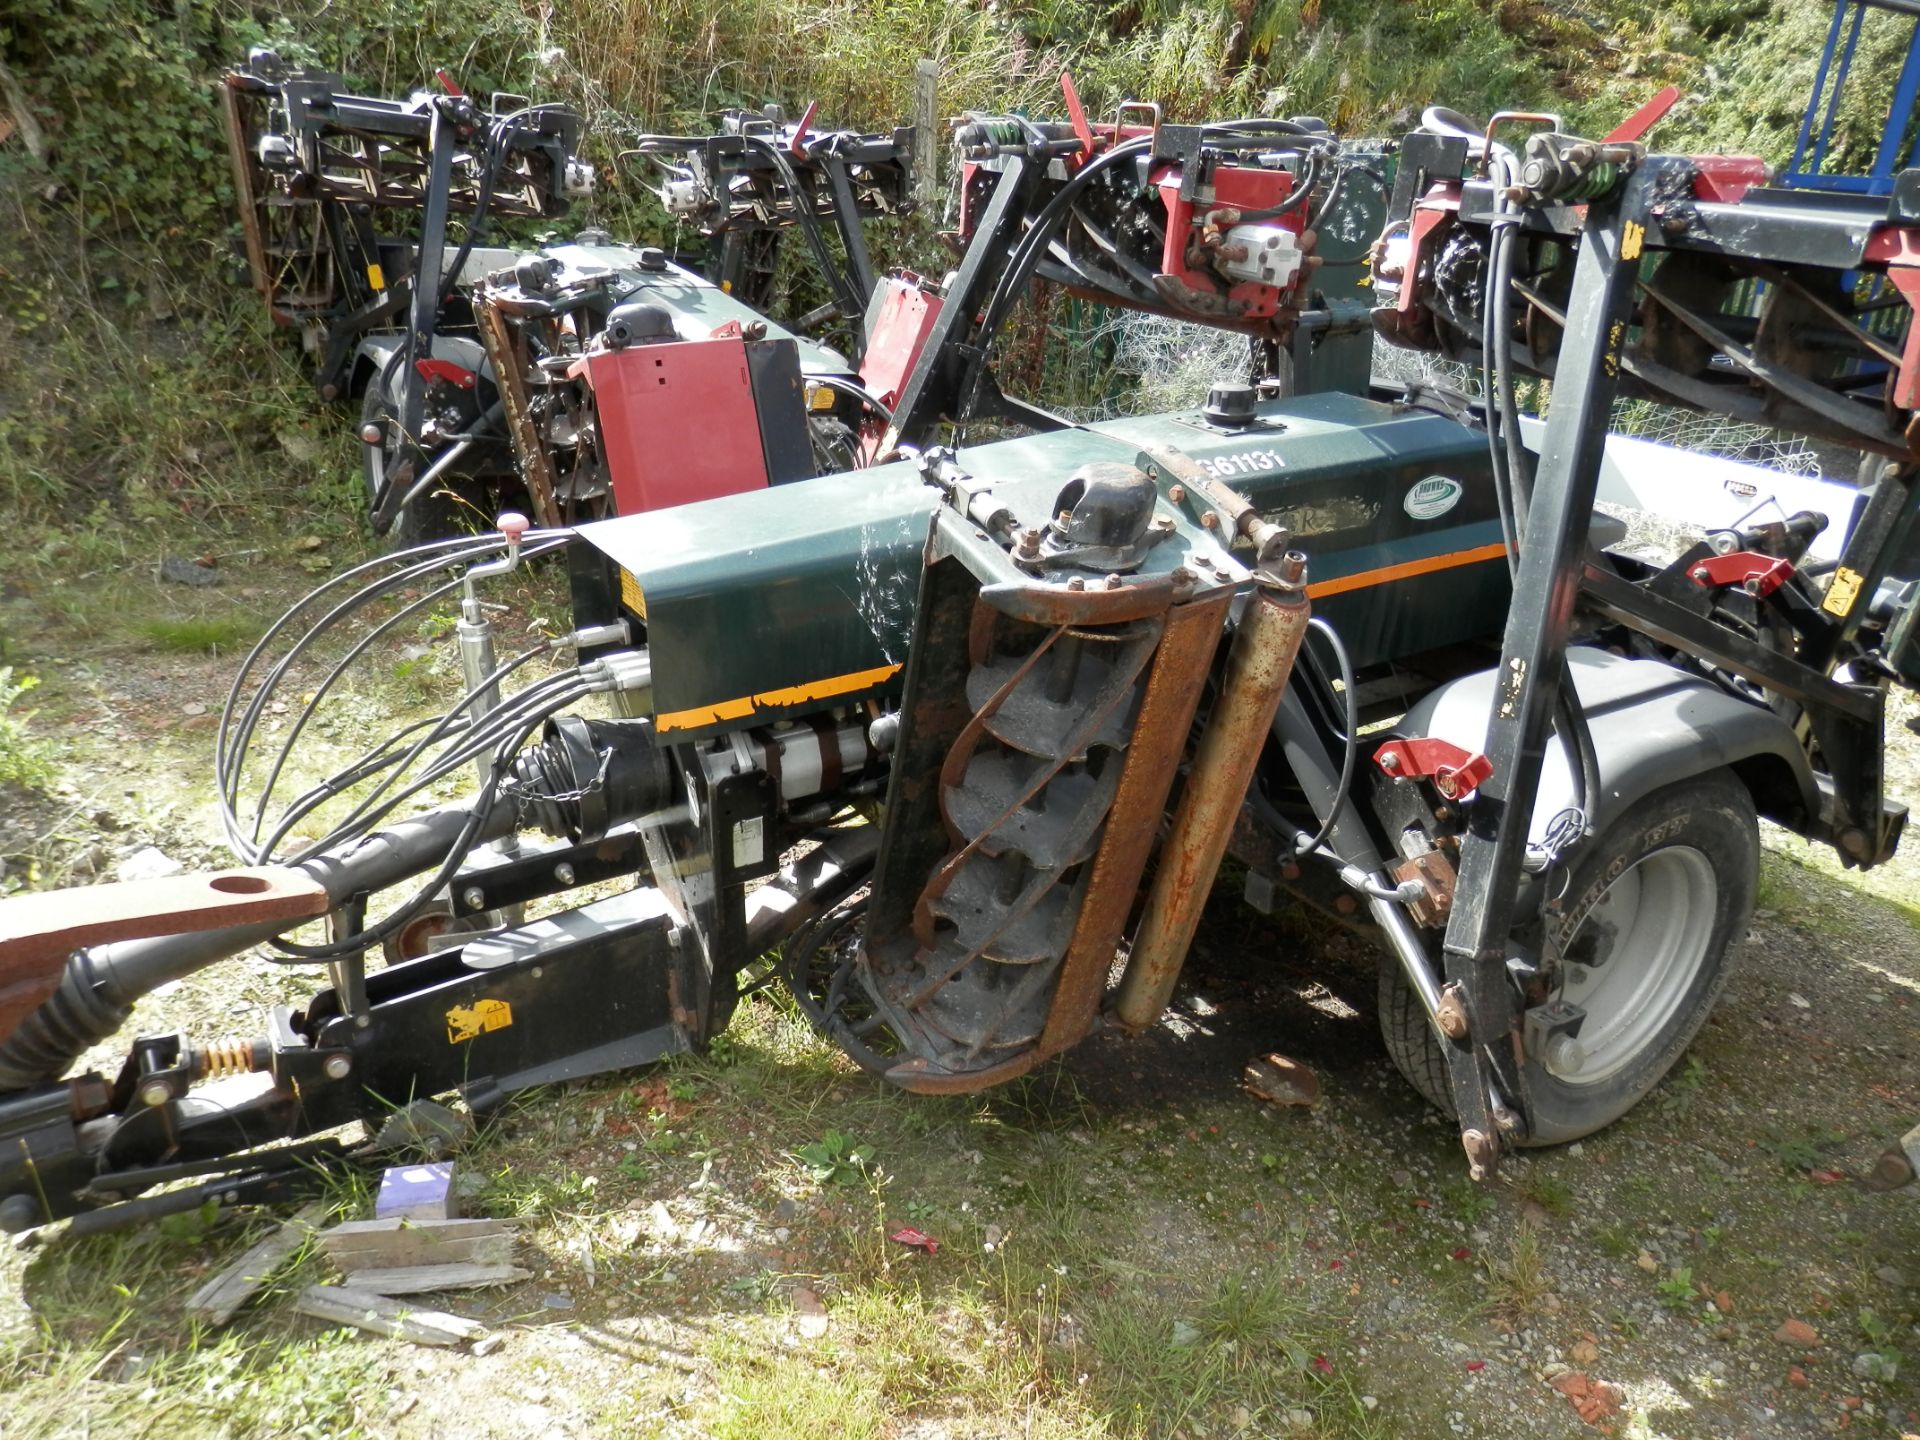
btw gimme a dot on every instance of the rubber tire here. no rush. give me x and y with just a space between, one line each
1712 813
434 516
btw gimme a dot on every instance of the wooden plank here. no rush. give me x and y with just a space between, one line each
396 1319
220 1299
927 142
424 1279
39 931
394 1244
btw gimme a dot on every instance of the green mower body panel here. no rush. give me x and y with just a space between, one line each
767 604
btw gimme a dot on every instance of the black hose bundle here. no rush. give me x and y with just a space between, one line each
400 767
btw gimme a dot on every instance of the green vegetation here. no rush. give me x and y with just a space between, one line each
217 636
24 760
158 385
836 1158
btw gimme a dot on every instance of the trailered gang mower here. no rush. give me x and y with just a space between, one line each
372 226
954 745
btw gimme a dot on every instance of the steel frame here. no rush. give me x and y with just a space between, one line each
1482 1066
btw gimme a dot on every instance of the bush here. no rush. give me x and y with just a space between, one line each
24 760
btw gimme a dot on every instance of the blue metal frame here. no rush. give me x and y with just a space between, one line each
1823 106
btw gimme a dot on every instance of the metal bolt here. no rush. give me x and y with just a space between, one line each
563 872
1701 574
372 433
338 1067
155 1093
1076 583
1177 493
1210 521
1114 582
1481 1151
1389 760
1029 543
474 898
1451 1015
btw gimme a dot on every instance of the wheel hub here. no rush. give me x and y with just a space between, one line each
1633 961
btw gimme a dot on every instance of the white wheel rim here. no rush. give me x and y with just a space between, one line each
1649 934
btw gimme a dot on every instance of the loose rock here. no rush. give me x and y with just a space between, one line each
1797 1333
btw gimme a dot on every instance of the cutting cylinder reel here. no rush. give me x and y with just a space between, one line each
1055 680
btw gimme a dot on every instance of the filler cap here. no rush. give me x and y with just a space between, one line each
1229 404
639 322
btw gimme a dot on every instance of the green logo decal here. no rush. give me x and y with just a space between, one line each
1433 497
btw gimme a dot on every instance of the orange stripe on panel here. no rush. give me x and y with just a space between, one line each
1406 569
774 699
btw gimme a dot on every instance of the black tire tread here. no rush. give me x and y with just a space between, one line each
1415 1049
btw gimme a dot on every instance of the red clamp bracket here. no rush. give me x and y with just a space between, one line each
1454 772
1757 574
435 369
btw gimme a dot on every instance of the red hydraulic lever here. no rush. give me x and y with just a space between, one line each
1636 125
799 142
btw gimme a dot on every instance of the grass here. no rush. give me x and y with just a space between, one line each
1046 1312
1518 1280
108 1350
214 635
1552 1194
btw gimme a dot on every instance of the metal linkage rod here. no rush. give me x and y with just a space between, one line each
427 280
1533 656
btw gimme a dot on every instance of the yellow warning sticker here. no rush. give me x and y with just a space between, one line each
631 595
466 1021
1632 236
1842 592
376 277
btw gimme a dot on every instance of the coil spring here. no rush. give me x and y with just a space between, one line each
1596 183
222 1058
993 132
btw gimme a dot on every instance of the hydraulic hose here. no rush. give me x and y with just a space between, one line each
845 291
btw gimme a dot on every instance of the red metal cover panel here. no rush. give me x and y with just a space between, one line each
677 422
907 313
